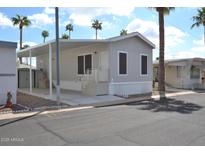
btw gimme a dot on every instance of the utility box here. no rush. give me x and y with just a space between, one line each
8 77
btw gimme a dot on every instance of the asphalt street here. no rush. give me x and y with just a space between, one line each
177 121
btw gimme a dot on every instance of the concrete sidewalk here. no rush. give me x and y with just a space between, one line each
88 106
175 94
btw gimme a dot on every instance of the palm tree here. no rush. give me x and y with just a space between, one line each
21 21
161 78
199 19
123 32
97 26
69 28
44 34
65 36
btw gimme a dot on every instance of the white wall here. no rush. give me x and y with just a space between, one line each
68 64
133 82
7 66
134 47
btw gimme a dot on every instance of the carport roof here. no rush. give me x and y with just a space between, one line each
73 43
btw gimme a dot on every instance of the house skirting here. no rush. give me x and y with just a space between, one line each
123 89
126 89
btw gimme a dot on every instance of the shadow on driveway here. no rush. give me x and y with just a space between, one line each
167 105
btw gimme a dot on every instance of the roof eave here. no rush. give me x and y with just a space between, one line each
8 44
118 38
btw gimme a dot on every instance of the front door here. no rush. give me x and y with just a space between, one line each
103 66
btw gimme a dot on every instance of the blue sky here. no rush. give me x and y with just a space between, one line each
181 41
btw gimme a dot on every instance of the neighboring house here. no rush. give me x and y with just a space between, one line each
8 78
117 66
183 73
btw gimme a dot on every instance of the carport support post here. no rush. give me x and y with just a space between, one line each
57 58
50 70
30 72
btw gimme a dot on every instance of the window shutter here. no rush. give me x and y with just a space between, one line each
80 65
88 63
122 63
143 65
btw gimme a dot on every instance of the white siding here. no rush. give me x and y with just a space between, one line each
7 66
133 82
69 64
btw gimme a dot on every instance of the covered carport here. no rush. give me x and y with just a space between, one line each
49 48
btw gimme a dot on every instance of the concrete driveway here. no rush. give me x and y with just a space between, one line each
180 122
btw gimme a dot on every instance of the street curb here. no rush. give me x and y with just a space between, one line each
121 102
41 112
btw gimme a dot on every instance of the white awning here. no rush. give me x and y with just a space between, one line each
75 43
63 44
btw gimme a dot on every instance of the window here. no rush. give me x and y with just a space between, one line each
194 72
88 64
122 63
84 64
80 64
143 65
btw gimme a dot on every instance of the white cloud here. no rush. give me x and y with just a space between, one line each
107 25
120 11
148 28
199 42
5 21
186 54
84 16
80 19
49 10
41 19
197 50
173 35
192 53
29 43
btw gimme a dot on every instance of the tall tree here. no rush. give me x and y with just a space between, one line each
65 36
21 21
123 32
161 78
69 28
44 34
199 19
97 26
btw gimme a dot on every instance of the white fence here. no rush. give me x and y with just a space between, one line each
96 75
